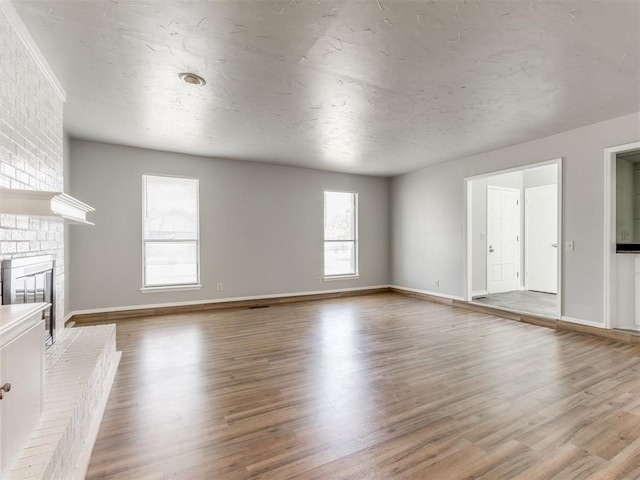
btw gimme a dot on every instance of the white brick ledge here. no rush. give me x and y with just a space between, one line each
80 368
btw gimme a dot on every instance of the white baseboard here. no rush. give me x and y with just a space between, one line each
222 300
84 458
479 293
587 323
426 292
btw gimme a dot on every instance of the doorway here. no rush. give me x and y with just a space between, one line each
541 238
621 237
513 254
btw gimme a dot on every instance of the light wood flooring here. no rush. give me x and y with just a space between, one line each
375 387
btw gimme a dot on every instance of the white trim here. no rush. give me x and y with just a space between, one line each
467 259
560 297
332 278
610 226
82 465
144 240
23 33
479 293
427 292
223 300
587 323
356 246
521 168
170 288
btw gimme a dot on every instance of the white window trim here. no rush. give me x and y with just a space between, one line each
356 246
168 288
331 278
180 286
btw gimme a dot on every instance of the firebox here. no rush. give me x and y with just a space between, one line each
32 280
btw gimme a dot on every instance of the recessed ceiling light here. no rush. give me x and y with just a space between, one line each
192 78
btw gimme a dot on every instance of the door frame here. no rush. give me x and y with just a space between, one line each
518 228
468 212
610 270
526 235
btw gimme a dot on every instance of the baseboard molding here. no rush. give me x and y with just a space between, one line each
131 311
579 321
569 324
434 296
80 472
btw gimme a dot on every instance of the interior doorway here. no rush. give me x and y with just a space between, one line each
541 238
622 237
513 254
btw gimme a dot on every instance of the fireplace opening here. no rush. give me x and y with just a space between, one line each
32 280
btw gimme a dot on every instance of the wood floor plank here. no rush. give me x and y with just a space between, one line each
382 386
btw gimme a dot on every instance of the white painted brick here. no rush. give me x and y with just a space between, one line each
31 142
7 247
76 367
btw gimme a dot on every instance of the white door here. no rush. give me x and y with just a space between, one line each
541 238
503 243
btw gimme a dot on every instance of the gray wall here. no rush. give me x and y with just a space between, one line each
428 214
261 226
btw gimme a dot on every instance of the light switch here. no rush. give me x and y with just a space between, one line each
568 246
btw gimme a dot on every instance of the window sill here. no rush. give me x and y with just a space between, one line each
341 277
170 288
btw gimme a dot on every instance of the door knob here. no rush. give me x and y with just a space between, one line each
490 248
4 388
554 245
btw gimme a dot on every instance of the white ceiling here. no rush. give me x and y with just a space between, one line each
377 87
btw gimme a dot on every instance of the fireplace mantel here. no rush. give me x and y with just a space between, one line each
48 204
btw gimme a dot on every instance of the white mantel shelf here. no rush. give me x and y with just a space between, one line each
44 204
18 318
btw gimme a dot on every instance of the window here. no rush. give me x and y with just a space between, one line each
170 231
340 234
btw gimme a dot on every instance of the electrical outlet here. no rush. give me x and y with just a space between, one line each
319 280
219 286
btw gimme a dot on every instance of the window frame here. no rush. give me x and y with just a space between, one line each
356 241
178 286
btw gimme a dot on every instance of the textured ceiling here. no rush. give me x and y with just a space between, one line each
377 87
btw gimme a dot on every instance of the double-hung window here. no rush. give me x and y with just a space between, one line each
340 234
170 231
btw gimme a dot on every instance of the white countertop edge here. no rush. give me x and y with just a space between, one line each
18 318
